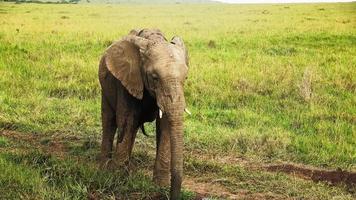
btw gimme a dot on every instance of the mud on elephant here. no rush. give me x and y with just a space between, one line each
142 79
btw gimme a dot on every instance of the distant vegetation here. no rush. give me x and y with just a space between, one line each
150 1
45 1
112 1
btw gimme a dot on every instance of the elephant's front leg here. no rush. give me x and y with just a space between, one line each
109 129
161 173
125 142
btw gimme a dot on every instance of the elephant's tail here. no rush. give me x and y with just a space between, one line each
142 127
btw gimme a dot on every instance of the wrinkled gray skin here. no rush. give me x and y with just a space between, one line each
139 75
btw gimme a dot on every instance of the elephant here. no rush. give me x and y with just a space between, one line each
142 79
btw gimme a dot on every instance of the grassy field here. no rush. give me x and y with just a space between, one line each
267 84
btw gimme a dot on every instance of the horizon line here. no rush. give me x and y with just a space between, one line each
281 1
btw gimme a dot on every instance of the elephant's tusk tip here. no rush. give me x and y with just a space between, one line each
160 113
187 111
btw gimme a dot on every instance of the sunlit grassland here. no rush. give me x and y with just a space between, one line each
266 82
245 89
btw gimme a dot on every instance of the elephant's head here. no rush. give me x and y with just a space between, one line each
145 60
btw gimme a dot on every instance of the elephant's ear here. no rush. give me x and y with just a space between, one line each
178 41
123 61
135 32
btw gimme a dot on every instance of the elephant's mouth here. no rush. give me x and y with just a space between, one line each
161 111
171 102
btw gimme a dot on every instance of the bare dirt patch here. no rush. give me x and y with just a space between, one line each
333 177
204 189
212 190
51 145
17 136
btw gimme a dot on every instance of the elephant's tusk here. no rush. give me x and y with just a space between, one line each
187 111
160 113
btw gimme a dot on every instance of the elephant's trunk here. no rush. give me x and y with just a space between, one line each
176 139
174 105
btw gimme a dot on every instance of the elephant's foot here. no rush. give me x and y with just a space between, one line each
122 161
161 177
122 158
106 163
119 164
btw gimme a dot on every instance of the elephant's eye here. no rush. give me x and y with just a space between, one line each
155 77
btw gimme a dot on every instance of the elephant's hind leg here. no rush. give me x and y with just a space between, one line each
126 139
109 129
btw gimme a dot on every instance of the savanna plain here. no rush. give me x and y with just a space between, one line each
267 85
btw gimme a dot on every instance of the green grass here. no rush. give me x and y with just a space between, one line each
266 82
29 173
67 179
4 142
